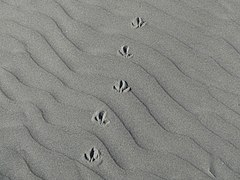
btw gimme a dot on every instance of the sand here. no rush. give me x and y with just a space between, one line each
119 90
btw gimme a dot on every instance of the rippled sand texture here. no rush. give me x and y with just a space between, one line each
119 90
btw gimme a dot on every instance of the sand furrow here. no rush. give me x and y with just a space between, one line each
35 96
18 168
131 89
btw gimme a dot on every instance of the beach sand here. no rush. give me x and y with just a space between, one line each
119 90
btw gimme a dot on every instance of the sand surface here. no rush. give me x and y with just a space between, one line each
119 90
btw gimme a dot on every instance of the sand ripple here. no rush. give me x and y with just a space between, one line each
119 90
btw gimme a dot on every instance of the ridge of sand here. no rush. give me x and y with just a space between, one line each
119 90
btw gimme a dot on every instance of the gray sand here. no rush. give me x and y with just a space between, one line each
119 90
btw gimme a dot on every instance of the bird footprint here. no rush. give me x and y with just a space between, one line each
124 51
100 117
92 155
121 86
138 22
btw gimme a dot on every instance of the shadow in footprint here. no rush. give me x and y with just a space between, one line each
138 22
124 51
100 118
121 86
92 155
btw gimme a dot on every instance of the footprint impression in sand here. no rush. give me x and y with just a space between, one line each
138 22
121 86
92 155
100 118
124 51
